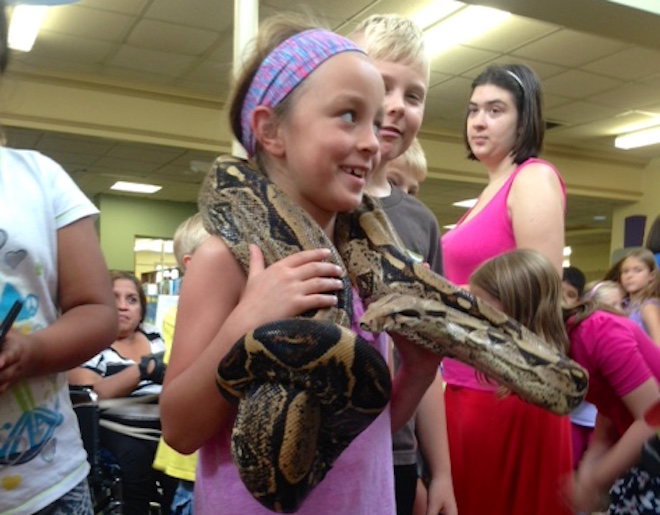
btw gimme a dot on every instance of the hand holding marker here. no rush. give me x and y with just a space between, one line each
9 320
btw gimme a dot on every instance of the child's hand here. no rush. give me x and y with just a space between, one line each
15 358
583 494
416 359
295 284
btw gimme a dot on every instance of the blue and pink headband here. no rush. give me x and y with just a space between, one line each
284 68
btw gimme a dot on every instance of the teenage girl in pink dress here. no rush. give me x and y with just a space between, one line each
507 456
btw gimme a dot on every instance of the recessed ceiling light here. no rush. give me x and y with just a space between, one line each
467 204
650 6
449 227
600 218
461 26
135 187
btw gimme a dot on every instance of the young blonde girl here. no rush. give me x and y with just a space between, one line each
313 132
638 275
623 365
607 293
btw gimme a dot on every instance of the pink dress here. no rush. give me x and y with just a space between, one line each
361 481
508 457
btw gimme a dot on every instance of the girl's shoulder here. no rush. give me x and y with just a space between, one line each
651 302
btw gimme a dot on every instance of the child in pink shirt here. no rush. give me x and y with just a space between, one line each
624 368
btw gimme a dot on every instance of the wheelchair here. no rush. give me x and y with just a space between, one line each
105 475
116 414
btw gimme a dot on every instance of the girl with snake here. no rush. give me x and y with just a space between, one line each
307 110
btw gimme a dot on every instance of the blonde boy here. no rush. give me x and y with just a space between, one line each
187 237
396 46
408 171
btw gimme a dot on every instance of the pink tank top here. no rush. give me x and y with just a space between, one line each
361 482
488 234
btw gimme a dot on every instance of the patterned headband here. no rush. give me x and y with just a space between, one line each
286 67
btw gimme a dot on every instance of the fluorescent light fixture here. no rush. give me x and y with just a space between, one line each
467 204
135 187
435 12
636 139
24 26
567 251
462 26
651 6
449 227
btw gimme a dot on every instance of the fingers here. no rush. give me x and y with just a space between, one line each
257 264
9 365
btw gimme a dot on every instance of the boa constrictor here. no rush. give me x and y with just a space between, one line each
306 387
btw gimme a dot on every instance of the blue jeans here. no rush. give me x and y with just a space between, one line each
75 502
182 503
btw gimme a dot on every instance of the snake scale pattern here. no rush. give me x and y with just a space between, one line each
306 387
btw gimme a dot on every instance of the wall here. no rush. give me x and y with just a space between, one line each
648 205
124 218
592 259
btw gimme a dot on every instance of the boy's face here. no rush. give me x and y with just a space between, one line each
401 178
569 295
405 95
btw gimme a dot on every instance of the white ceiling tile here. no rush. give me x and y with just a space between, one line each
513 33
55 47
568 48
213 15
81 21
550 101
74 144
579 112
578 84
631 96
459 59
337 9
169 37
542 70
143 59
120 6
153 154
126 166
629 64
455 90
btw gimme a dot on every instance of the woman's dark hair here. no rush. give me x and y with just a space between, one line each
4 50
653 237
116 275
524 86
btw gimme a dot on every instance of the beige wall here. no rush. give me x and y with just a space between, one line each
648 204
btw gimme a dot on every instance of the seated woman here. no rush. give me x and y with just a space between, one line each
131 366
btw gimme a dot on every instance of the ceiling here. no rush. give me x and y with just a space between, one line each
599 64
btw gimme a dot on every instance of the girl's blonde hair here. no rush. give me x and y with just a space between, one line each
652 290
414 160
597 292
529 289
